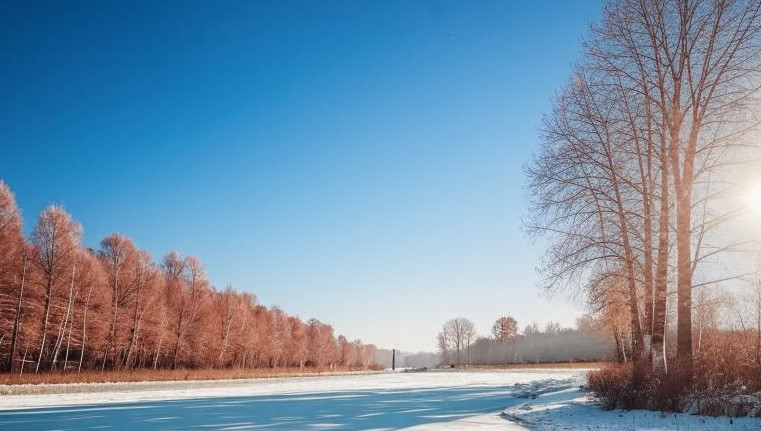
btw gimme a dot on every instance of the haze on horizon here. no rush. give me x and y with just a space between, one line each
356 162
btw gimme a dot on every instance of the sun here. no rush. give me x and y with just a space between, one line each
753 199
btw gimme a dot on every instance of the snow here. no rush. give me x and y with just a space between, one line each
559 406
514 400
78 394
443 400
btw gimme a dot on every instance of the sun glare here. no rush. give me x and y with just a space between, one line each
753 199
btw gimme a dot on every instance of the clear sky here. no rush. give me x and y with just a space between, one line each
359 162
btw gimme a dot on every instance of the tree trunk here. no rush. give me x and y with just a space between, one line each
683 189
84 330
48 294
661 273
178 333
17 319
156 358
114 318
23 360
631 282
64 323
135 329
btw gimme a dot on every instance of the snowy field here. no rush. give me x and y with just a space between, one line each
444 400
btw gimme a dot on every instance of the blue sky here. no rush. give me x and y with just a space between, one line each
359 162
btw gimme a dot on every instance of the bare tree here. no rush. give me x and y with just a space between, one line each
458 333
585 193
700 59
657 102
442 344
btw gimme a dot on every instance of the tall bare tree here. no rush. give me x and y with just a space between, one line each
700 60
634 145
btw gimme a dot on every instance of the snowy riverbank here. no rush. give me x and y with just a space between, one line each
485 400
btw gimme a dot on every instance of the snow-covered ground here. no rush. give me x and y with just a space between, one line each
559 407
89 393
442 400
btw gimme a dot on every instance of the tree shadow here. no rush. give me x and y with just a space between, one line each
343 410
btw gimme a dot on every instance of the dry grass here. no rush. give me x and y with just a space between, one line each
169 375
531 366
612 385
233 373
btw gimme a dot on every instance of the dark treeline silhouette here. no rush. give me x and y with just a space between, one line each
64 307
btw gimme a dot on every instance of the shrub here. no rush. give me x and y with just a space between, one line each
726 380
612 385
614 388
727 374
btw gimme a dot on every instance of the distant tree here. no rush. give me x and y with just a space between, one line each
263 334
280 334
552 328
320 342
442 344
229 307
533 328
504 329
368 354
459 333
296 349
343 349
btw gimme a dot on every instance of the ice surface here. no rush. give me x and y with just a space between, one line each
391 401
478 400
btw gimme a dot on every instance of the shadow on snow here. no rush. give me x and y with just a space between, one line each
346 411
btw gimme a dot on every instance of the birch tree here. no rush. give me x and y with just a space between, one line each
56 239
659 100
13 274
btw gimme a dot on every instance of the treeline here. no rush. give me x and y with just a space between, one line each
459 344
550 344
64 307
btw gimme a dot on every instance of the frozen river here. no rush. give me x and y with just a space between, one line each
431 400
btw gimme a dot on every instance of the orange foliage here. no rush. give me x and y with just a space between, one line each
69 309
